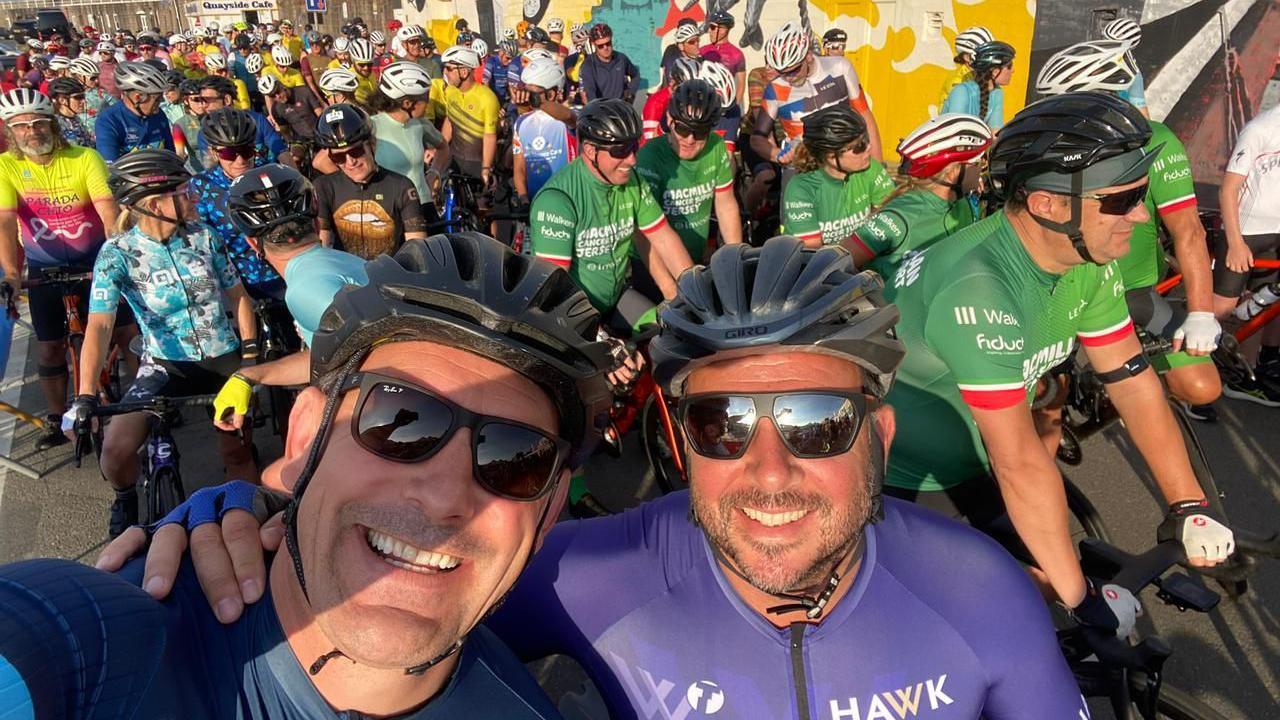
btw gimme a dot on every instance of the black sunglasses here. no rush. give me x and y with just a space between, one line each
621 152
340 156
229 154
604 44
1118 203
812 423
684 129
407 424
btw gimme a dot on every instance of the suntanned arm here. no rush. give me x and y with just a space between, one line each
326 238
520 175
1034 495
93 353
670 251
873 133
292 369
1193 257
244 312
10 248
559 111
657 270
741 79
762 136
728 217
1229 202
108 210
489 150
321 162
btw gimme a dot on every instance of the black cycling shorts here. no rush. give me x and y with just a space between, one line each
1151 311
178 378
1227 282
49 317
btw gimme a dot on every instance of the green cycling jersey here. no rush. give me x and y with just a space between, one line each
686 189
1170 189
910 223
982 322
818 206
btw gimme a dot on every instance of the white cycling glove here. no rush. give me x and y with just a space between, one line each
1108 607
1199 332
1202 535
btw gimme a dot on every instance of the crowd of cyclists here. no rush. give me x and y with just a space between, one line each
896 335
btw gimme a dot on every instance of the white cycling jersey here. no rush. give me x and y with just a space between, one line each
1257 157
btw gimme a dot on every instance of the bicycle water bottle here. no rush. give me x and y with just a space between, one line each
1258 302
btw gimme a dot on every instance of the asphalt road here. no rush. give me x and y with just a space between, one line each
1229 658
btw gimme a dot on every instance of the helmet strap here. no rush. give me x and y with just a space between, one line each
595 165
1071 228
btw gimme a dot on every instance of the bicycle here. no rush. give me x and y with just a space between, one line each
160 487
274 342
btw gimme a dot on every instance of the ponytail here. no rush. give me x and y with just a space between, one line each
125 220
986 83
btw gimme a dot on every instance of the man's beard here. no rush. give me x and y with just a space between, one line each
31 149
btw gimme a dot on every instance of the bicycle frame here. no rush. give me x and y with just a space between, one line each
1254 324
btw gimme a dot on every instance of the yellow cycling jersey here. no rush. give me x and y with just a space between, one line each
289 77
473 114
957 76
54 205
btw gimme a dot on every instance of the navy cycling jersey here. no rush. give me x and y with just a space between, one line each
269 143
79 643
939 624
119 131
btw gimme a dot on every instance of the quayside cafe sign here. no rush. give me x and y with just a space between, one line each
235 6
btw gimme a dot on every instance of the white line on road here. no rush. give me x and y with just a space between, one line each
11 392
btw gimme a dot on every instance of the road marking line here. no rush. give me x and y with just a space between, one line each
11 392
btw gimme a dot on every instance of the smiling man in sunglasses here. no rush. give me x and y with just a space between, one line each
989 310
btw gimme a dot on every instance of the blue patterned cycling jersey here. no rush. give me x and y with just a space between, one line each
175 288
211 188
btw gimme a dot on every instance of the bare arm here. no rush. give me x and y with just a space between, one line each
741 79
108 210
520 175
762 136
489 150
97 339
1229 202
326 238
245 320
10 248
1193 257
671 250
657 270
321 162
293 369
729 217
873 133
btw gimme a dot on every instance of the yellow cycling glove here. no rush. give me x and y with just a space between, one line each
233 398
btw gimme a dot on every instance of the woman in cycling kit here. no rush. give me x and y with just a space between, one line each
983 95
174 275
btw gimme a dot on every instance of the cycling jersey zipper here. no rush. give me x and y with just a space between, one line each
798 670
195 335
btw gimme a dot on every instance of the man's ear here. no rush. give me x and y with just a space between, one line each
304 423
254 243
886 421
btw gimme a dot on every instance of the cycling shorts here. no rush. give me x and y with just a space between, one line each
49 317
1155 314
179 378
631 313
1227 282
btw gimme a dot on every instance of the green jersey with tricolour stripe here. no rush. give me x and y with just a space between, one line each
586 225
982 322
816 205
908 224
1170 189
686 189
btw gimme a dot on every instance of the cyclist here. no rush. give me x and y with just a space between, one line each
555 34
839 181
939 161
690 175
95 98
339 85
68 100
542 141
284 66
1251 228
341 52
361 52
687 39
190 345
495 70
1129 32
407 142
966 43
720 50
833 42
312 65
746 593
381 58
217 65
364 209
54 210
998 304
1107 66
606 74
136 122
983 95
294 110
654 114
420 48
174 105
721 78
106 59
276 210
290 39
805 84
218 93
470 112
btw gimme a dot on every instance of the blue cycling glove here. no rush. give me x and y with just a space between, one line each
208 505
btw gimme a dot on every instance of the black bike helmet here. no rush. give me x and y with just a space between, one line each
59 87
221 85
268 196
831 129
537 35
696 103
609 122
174 78
141 173
341 126
228 127
781 296
721 18
189 87
991 55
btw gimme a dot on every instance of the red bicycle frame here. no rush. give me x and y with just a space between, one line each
1255 323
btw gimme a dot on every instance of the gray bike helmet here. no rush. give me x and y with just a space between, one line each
781 296
684 69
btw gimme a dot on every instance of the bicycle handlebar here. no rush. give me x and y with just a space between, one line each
57 277
154 405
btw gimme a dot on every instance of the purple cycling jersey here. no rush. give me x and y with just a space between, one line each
939 623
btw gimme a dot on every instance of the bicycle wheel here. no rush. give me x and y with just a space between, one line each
654 438
163 493
1173 703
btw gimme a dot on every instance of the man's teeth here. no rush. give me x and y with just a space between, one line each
774 519
393 549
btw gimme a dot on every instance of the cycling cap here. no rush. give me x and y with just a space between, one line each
940 141
342 44
269 196
969 40
107 47
555 25
141 173
787 48
267 84
831 129
222 86
780 297
480 46
722 80
461 55
696 103
87 67
228 127
600 31
1098 65
377 37
215 61
721 18
537 35
1124 30
685 33
254 63
472 292
404 79
508 33
409 32
609 122
23 101
361 51
546 74
991 55
684 69
282 56
140 77
1071 144
339 79
341 126
510 48
65 86
835 35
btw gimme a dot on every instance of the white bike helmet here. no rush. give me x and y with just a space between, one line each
685 33
377 37
721 79
176 39
787 48
282 56
579 37
1104 65
85 67
409 32
555 25
200 32
254 63
575 27
214 27
546 74
267 84
940 141
1124 30
404 80
461 55
533 55
361 51
480 46
59 62
35 44
140 77
508 33
969 40
215 61
23 101
339 79
106 46
342 45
